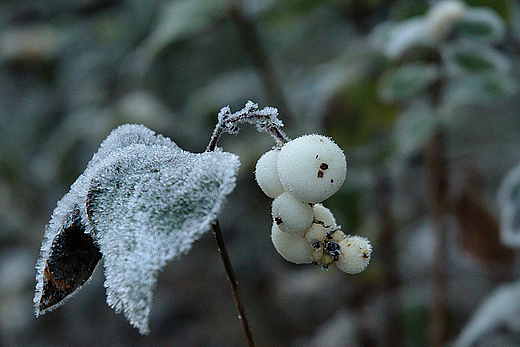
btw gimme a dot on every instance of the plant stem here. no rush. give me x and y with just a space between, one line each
233 282
259 58
390 281
266 120
437 171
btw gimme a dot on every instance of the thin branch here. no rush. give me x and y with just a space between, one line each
390 281
233 283
266 120
259 58
437 171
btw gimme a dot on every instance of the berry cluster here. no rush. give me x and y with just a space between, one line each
299 176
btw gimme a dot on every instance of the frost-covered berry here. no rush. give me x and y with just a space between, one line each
316 232
316 236
355 254
323 215
291 215
266 174
311 167
336 235
293 248
321 232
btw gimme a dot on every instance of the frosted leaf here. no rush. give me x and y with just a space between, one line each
442 16
469 58
142 201
509 202
501 306
402 36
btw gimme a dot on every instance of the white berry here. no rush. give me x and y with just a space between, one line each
291 215
323 215
266 174
355 254
316 232
293 248
311 167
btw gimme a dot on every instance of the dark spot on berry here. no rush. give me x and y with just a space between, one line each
365 255
331 180
316 156
333 249
324 166
278 220
320 174
316 245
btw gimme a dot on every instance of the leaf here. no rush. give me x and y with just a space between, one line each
142 201
69 257
481 24
462 58
478 89
509 202
407 81
415 127
399 38
501 306
178 19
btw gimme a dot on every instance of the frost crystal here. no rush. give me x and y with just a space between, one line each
142 201
265 120
509 203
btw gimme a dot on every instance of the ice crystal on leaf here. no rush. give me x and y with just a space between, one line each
142 201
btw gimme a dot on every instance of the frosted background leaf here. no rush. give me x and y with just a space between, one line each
144 201
502 306
509 202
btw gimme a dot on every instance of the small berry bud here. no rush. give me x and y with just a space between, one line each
323 215
316 232
316 252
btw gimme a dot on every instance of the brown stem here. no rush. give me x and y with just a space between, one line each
233 283
390 281
259 58
437 171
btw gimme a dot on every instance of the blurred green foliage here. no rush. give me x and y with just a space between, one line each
374 75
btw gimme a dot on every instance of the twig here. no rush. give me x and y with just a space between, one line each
232 282
390 280
266 120
436 167
259 58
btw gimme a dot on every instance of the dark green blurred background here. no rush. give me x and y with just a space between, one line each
71 71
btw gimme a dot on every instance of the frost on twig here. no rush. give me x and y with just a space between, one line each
141 202
265 120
